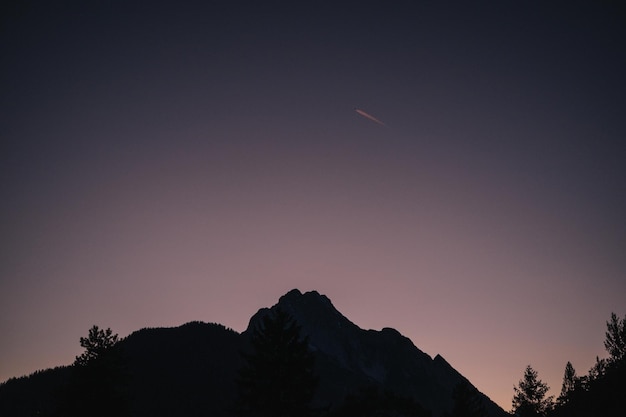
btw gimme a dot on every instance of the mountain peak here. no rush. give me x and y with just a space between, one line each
295 297
311 310
296 294
204 358
382 357
293 293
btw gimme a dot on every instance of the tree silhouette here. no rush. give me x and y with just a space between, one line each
615 342
467 401
569 383
278 376
597 371
601 391
97 384
530 396
97 344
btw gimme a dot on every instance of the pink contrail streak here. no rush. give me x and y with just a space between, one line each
368 116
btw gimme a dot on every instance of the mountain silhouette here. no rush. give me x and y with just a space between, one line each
349 356
191 370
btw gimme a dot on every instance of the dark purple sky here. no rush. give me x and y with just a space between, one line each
162 163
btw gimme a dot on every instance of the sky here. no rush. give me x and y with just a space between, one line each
163 162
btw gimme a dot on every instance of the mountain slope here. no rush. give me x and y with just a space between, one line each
382 358
191 370
187 370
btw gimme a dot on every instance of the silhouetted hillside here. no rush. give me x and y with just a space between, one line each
33 395
191 370
187 370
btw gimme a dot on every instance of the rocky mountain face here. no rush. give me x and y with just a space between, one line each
191 370
348 355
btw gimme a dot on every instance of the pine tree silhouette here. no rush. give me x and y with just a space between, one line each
97 383
569 383
530 396
278 377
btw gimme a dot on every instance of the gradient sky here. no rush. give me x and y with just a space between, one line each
162 163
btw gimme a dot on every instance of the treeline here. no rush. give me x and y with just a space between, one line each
601 392
272 372
276 376
154 372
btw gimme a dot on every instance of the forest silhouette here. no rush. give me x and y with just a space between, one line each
599 393
276 368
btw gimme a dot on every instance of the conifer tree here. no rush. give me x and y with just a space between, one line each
97 344
278 377
97 385
530 396
597 371
569 383
615 342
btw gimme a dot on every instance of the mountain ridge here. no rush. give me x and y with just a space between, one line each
385 357
191 369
